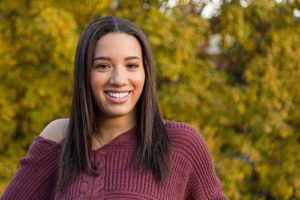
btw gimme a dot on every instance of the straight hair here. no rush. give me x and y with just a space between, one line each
153 143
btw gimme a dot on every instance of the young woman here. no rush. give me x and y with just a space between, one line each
115 145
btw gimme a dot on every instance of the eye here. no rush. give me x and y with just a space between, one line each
132 66
102 67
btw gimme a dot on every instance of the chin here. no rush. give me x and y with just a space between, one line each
119 113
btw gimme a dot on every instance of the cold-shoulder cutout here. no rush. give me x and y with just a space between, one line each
56 130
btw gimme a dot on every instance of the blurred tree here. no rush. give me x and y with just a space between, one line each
243 96
261 134
37 46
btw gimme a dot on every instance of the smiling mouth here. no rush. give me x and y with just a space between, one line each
117 97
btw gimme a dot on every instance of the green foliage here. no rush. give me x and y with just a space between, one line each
37 47
245 100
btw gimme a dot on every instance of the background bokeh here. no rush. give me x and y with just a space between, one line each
230 68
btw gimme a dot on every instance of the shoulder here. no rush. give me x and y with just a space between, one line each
186 140
190 152
180 130
56 130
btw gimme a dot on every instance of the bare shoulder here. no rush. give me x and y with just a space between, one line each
56 130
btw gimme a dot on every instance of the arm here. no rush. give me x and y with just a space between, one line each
38 170
204 182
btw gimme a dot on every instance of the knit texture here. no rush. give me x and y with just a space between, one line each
192 174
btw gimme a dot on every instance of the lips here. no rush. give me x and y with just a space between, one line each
117 97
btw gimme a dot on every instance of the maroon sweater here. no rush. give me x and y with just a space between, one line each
192 175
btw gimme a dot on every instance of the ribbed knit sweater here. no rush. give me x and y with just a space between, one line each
192 174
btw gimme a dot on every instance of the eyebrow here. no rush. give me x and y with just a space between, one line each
109 59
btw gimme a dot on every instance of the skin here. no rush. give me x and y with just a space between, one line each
56 130
117 68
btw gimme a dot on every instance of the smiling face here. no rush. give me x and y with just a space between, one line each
117 75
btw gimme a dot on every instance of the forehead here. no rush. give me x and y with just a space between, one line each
118 44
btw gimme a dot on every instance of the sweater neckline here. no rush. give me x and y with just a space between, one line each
126 136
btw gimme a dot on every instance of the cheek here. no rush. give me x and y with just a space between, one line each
97 82
139 81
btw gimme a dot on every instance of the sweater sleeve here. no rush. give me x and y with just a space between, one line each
37 173
203 182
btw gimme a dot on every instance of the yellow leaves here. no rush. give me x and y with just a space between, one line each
53 21
296 184
247 148
209 130
280 186
98 4
234 175
267 128
263 170
59 30
283 188
238 101
83 11
42 92
236 15
241 108
7 115
249 125
6 59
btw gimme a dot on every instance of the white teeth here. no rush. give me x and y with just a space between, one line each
118 95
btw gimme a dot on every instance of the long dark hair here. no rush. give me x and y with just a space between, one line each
153 143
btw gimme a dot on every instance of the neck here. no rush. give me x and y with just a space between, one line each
111 127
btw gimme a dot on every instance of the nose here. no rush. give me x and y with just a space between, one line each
118 76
